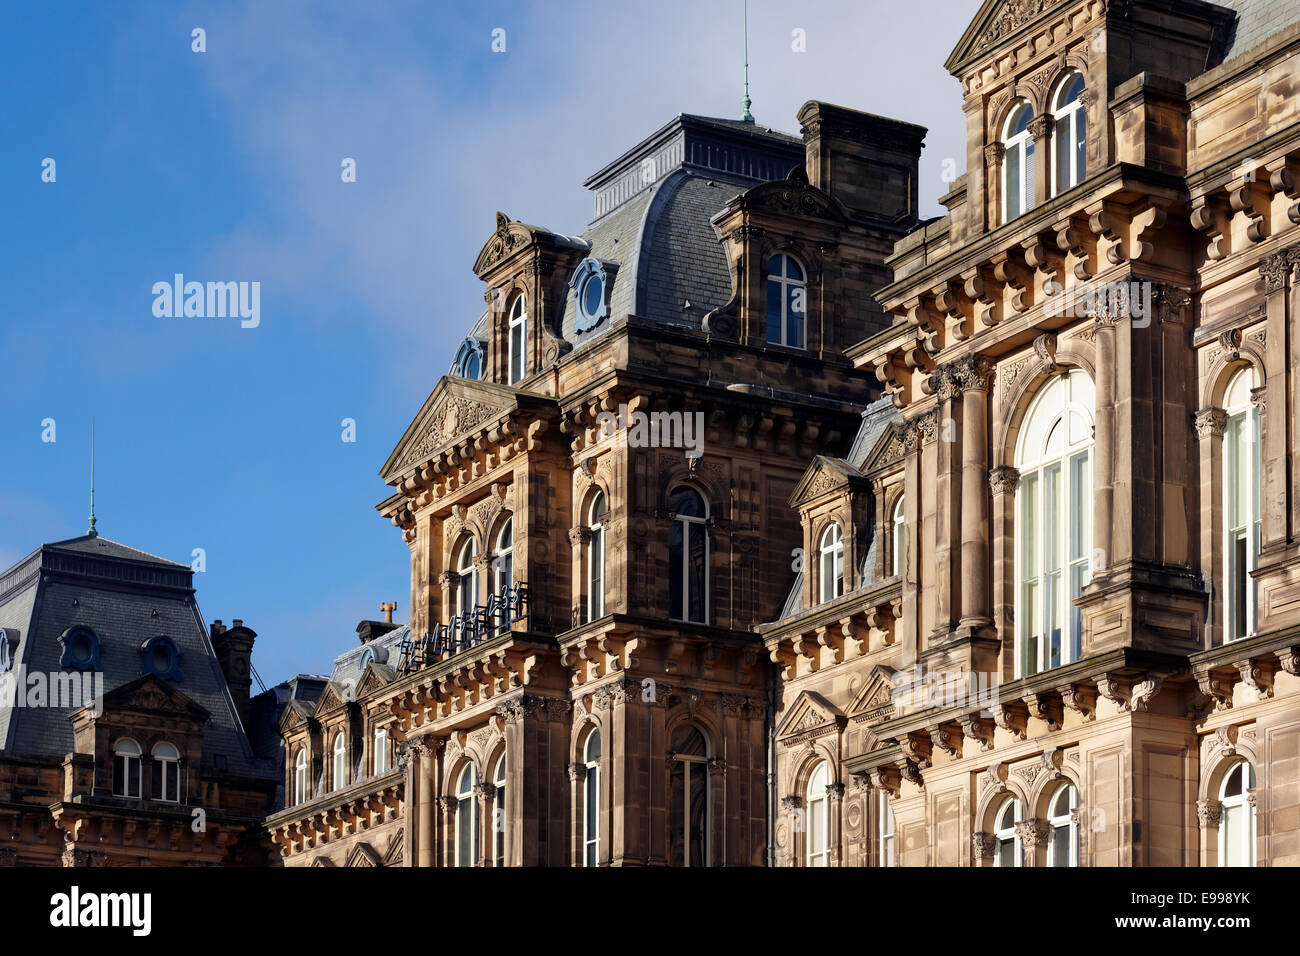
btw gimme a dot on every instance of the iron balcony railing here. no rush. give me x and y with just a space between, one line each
503 609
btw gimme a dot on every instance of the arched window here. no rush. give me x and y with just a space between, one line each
1053 522
898 536
466 818
787 301
340 762
1069 134
381 750
688 840
591 800
1237 817
1063 843
503 559
165 775
596 557
688 556
1009 851
832 563
126 768
467 590
499 812
886 831
1241 505
300 776
1018 163
818 818
469 360
518 339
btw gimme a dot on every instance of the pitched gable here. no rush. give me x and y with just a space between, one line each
994 22
875 702
810 712
823 476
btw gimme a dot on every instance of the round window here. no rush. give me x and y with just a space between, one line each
593 294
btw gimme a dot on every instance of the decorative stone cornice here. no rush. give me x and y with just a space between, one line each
1210 422
1004 479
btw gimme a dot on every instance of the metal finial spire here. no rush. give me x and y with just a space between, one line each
747 116
92 532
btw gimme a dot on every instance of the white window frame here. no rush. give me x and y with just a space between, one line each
701 526
596 558
381 751
886 830
503 570
518 351
1022 143
1034 465
831 557
817 815
1069 125
466 815
167 754
786 284
467 586
499 811
1241 439
127 750
1248 824
590 794
340 754
300 776
899 529
1058 820
1005 834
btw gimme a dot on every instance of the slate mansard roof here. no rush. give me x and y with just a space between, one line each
652 232
125 596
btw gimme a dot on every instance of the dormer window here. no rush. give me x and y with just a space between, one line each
1018 163
1069 134
787 301
161 656
588 285
518 339
469 360
80 649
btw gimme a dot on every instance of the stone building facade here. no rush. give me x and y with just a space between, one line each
1075 636
1012 490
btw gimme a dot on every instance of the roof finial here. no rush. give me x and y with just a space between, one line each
747 116
92 532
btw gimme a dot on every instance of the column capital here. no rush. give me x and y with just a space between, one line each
1208 812
994 153
1041 126
1033 832
1210 422
1004 479
448 804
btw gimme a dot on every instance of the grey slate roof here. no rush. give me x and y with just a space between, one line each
347 666
1257 20
125 596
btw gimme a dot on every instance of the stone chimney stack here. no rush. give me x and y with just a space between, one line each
234 650
867 162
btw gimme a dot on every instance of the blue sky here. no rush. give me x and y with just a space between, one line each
225 165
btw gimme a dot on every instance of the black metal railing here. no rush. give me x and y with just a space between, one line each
503 609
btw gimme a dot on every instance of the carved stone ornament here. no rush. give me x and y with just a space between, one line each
994 153
503 242
792 802
1208 812
1033 832
1014 15
983 845
452 417
1004 479
1210 422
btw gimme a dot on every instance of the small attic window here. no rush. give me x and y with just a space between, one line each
589 294
80 649
161 656
8 645
469 360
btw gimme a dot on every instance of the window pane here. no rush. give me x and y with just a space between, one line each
796 306
1029 174
1234 845
675 569
697 571
1080 145
773 311
1006 853
1059 848
1064 153
816 828
1011 180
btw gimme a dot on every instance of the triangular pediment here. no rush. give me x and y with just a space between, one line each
824 475
876 699
296 713
151 694
393 855
994 22
456 407
375 677
887 453
322 861
363 854
332 698
810 711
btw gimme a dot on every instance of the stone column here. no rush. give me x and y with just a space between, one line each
1003 481
577 778
1040 128
420 761
835 807
448 805
1210 425
485 790
994 155
1033 839
974 374
947 540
